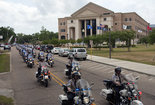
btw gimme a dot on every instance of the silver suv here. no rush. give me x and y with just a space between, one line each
78 53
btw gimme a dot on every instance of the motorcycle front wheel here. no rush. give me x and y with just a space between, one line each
46 83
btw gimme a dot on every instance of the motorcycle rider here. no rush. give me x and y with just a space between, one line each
48 56
118 79
71 86
69 65
42 64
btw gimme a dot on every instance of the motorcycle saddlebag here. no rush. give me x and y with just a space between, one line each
66 72
63 98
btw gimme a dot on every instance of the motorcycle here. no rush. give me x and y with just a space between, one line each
34 54
30 63
75 67
44 77
50 61
130 95
41 57
82 94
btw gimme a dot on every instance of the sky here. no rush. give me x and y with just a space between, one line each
28 16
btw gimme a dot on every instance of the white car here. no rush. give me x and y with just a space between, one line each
63 52
55 50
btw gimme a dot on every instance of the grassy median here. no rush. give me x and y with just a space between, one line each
140 53
6 101
4 63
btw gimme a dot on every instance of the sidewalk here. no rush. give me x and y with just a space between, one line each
132 66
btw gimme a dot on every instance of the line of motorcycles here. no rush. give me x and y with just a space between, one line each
129 95
44 76
28 56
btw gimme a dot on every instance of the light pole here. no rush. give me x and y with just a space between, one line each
109 44
83 31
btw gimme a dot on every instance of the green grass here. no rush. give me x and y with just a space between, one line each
4 63
6 101
140 53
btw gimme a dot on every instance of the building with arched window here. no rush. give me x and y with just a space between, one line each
93 19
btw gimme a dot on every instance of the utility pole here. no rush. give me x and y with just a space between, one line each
109 44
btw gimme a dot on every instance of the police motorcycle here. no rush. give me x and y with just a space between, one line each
83 95
34 54
44 77
130 95
41 56
74 67
50 60
30 61
25 54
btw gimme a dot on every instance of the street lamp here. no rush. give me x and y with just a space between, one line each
109 44
83 31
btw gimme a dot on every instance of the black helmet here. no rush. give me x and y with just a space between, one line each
118 69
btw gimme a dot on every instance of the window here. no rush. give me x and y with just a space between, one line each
71 21
115 23
106 13
81 50
62 30
88 30
64 23
128 27
126 19
94 26
130 19
60 23
105 19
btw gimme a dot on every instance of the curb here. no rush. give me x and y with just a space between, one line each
121 67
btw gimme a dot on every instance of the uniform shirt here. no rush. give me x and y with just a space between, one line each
116 78
72 84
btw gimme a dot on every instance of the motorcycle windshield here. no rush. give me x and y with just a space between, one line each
42 54
30 57
75 64
83 88
132 80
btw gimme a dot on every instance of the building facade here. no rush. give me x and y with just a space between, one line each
76 26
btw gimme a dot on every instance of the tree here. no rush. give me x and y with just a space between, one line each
55 42
144 40
62 42
72 41
79 40
152 37
7 32
127 36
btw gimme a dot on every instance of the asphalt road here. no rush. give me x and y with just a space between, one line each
28 92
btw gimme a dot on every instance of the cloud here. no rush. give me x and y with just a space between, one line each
29 16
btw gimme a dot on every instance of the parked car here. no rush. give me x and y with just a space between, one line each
7 47
63 52
55 50
78 53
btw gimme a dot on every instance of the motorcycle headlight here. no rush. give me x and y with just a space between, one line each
77 68
86 100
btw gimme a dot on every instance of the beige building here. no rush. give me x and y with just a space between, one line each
75 26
